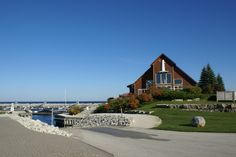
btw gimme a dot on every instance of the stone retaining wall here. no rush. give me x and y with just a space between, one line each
96 120
202 107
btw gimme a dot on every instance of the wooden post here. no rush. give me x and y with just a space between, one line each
173 78
234 96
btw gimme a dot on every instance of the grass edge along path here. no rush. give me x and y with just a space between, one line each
179 120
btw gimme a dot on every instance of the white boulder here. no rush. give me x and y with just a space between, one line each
198 121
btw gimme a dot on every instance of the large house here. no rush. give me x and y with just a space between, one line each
163 73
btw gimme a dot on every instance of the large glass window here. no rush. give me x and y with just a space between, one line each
163 78
158 78
169 78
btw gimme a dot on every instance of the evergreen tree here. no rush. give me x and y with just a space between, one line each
219 83
207 80
211 79
203 83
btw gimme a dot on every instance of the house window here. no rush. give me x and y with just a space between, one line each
178 81
149 83
163 78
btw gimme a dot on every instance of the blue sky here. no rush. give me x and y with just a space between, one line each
95 48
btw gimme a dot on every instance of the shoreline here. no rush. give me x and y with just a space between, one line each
37 125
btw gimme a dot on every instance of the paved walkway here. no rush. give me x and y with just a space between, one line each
17 141
129 142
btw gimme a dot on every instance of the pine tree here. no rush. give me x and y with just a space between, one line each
219 83
203 83
207 80
211 79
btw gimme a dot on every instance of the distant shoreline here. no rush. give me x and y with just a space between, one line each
51 102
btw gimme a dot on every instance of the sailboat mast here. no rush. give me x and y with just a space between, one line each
65 96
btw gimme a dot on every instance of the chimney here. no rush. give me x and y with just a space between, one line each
163 68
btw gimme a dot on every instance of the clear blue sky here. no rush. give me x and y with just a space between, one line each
95 48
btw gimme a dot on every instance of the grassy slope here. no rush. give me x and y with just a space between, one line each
178 120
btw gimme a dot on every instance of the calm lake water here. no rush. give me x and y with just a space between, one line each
43 118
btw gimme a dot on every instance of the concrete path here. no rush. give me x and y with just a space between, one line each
133 142
17 141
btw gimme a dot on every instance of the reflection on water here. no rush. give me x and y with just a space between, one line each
44 118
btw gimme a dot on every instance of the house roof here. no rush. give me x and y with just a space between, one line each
139 77
167 59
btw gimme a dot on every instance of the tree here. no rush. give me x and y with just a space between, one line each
209 83
207 80
219 83
203 83
119 104
211 78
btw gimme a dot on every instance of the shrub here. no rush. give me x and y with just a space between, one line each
155 92
75 109
194 90
171 95
212 97
106 107
133 102
101 109
119 104
144 97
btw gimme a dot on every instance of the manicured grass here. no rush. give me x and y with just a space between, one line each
191 102
179 120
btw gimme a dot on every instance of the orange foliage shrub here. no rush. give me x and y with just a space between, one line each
106 107
144 97
133 102
155 92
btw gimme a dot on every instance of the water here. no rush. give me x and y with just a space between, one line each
53 102
43 118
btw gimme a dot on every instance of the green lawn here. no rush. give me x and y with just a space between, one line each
178 120
191 102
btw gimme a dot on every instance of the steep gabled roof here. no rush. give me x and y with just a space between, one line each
167 59
139 77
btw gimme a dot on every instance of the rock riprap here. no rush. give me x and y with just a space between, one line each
96 120
198 121
37 125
